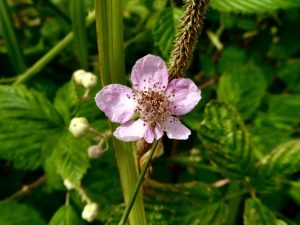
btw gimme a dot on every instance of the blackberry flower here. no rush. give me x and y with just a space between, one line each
150 108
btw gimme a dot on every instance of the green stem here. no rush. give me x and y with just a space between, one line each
109 21
234 202
15 52
80 36
138 185
42 62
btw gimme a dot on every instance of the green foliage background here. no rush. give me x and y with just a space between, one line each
242 162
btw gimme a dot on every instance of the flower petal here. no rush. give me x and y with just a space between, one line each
115 101
158 132
175 129
131 131
149 135
184 95
149 72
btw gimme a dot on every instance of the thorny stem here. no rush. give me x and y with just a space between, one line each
138 185
189 29
27 188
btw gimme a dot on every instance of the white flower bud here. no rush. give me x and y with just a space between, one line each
68 184
78 76
95 151
90 212
79 126
89 80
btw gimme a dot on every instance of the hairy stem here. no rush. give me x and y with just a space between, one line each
188 31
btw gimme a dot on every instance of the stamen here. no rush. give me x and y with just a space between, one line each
153 105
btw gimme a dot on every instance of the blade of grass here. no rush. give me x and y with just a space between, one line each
80 36
109 21
13 45
42 62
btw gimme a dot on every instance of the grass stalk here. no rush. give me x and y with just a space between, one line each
109 21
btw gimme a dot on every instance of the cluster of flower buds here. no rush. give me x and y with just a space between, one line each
85 79
90 212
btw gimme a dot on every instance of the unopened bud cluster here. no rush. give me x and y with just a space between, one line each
85 79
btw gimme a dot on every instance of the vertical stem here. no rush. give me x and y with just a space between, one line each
78 13
13 45
109 21
234 203
138 185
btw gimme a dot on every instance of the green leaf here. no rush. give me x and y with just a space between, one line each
27 119
253 6
164 203
66 215
265 137
290 72
258 214
13 213
231 58
71 158
213 214
66 101
165 30
285 159
243 87
284 111
226 139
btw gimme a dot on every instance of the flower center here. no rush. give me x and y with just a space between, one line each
153 106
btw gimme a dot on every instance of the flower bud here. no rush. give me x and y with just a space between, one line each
95 151
79 126
68 184
78 76
89 80
90 212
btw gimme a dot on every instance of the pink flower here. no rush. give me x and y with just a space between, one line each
153 99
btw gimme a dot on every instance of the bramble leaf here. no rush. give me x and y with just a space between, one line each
27 119
226 139
252 6
164 31
66 101
258 214
66 215
13 213
244 87
71 158
285 159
